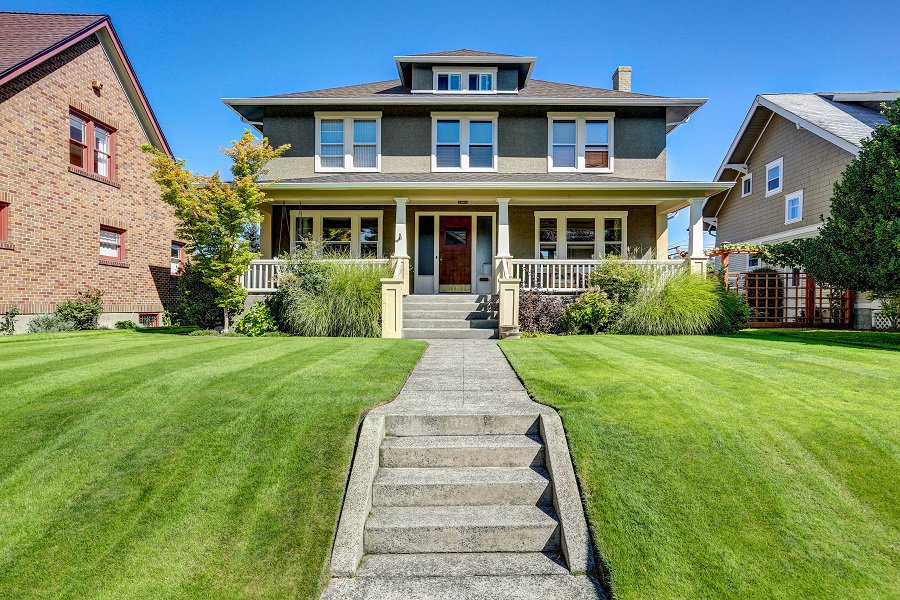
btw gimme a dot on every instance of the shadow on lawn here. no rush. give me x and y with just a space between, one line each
826 337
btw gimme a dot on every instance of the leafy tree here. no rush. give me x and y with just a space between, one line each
215 215
858 247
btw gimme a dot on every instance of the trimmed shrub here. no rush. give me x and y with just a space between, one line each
539 312
50 324
196 302
8 324
256 321
347 303
126 325
203 332
682 303
84 311
590 313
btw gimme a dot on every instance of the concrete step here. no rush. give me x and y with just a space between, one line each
468 564
461 424
449 323
462 451
501 587
456 306
449 334
449 298
425 529
462 314
457 486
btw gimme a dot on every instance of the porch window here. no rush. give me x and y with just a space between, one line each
91 146
580 142
793 207
176 260
348 142
342 233
112 243
580 235
464 142
774 177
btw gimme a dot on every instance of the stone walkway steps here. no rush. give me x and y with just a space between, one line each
467 564
462 451
450 316
487 528
461 486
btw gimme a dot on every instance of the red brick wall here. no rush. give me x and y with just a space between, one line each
55 215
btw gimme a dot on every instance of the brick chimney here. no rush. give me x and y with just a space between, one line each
622 79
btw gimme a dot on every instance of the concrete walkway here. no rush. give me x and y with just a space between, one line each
459 390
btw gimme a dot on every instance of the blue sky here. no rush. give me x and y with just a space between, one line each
188 55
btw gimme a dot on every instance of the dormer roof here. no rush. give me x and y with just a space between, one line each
463 57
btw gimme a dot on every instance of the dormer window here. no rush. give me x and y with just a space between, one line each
465 81
348 142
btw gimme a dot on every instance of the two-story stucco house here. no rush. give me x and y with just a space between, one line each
466 165
77 207
785 159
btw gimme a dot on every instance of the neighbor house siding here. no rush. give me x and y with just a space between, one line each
55 215
811 164
639 139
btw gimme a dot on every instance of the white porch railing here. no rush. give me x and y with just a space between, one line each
574 275
262 274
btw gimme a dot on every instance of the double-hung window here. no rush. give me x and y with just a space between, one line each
176 261
112 244
746 185
464 142
339 233
580 142
774 177
579 235
793 207
91 146
348 142
4 222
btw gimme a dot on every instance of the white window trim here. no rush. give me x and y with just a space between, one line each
749 179
749 258
787 199
561 242
464 120
348 141
464 80
355 216
580 120
780 163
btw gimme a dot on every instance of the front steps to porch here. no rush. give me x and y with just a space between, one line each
450 316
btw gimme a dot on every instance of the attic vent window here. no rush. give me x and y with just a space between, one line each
465 81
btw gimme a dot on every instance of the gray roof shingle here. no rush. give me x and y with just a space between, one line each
463 52
535 88
26 35
850 122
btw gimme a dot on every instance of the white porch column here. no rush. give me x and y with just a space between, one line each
696 257
503 260
401 247
662 235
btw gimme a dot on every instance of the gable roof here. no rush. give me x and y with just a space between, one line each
844 119
29 39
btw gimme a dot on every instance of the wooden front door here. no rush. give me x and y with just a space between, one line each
455 251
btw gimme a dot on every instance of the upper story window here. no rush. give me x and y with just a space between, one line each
176 263
4 222
793 207
469 81
464 142
746 185
774 177
348 142
91 146
580 142
112 243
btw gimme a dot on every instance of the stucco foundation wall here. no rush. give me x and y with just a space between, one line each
55 215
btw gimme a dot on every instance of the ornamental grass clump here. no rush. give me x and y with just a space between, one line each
677 304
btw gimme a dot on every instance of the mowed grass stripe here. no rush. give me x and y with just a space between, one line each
755 465
198 468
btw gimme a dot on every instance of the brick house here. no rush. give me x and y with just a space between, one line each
77 207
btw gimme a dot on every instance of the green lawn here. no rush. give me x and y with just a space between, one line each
163 466
761 465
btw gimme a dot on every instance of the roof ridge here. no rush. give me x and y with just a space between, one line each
53 14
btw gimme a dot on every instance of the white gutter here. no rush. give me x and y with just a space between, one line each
707 186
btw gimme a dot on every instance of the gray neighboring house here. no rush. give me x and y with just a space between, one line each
466 159
784 160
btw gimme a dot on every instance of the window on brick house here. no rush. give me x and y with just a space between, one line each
148 319
112 243
177 260
4 221
91 146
